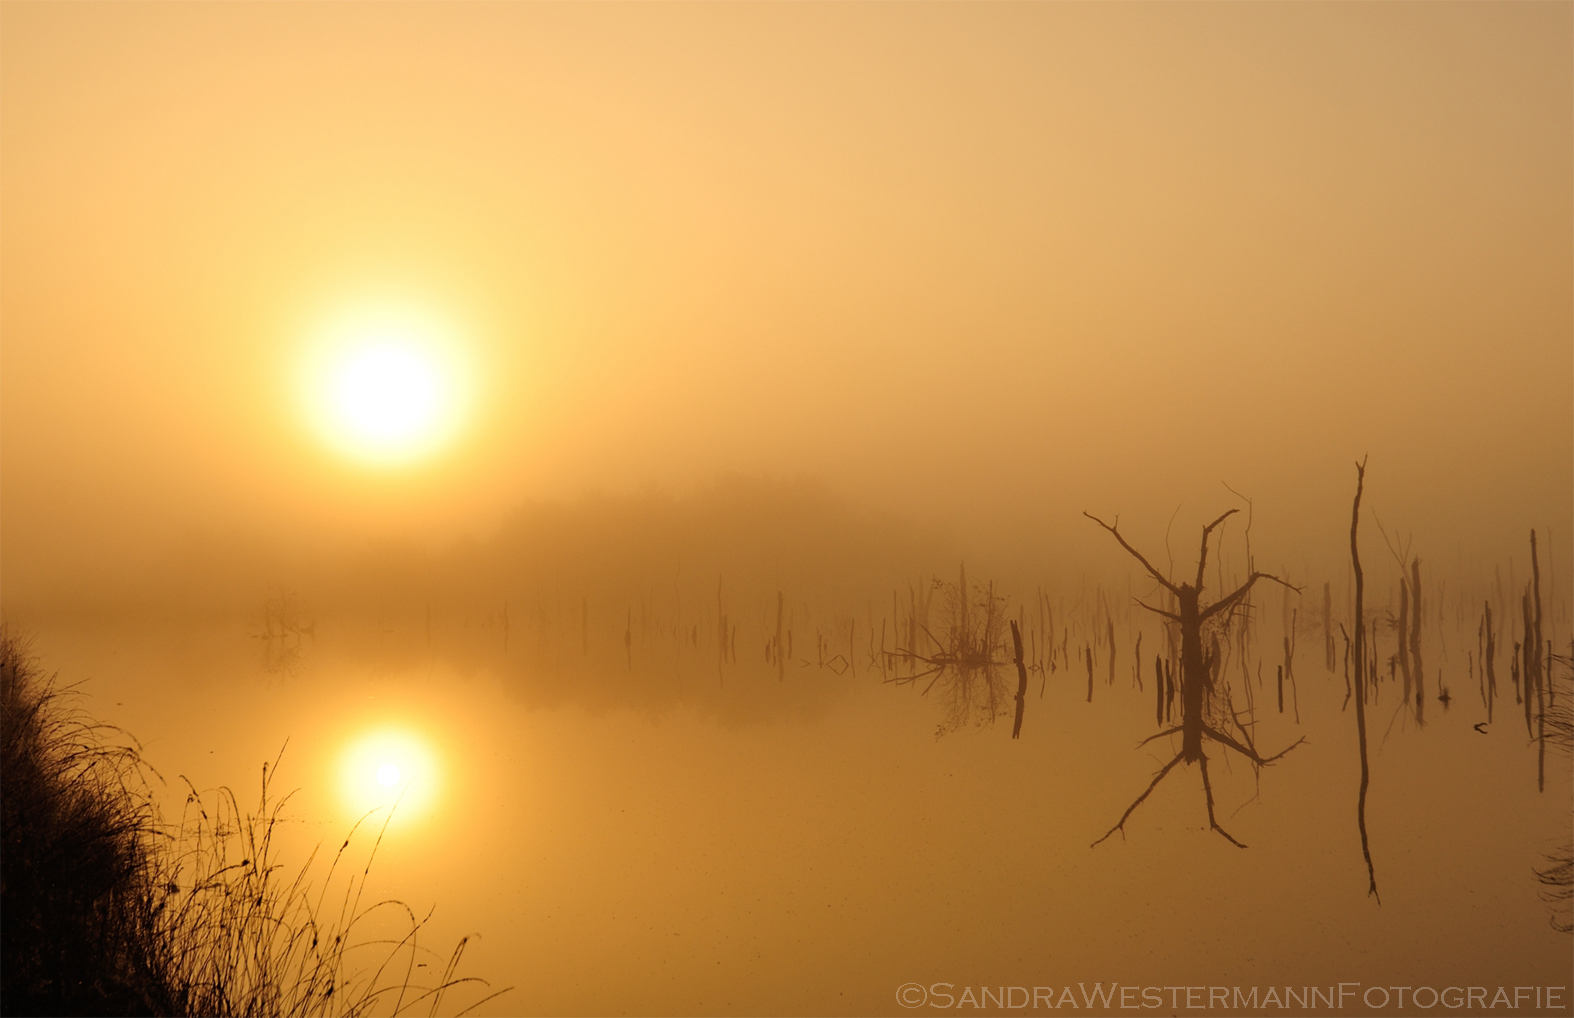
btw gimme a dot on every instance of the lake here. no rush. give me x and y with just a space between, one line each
667 827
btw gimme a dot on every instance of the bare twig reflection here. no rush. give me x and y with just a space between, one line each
963 661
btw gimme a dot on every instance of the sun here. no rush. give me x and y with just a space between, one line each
385 386
386 395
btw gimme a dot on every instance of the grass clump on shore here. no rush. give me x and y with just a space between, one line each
79 863
108 911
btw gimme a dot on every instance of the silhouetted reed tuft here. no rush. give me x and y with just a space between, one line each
108 911
79 865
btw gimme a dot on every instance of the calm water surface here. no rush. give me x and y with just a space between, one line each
638 838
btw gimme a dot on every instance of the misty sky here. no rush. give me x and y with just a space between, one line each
982 265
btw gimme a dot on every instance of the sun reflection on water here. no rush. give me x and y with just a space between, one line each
390 768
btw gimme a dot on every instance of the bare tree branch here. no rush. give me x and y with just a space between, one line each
1226 602
1133 807
1138 555
1248 753
1158 611
1207 788
1169 731
1202 557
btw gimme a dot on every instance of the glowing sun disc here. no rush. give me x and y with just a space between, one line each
386 386
387 395
390 769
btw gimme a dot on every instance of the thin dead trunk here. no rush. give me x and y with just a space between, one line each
1016 642
1540 675
1158 689
1111 636
1527 673
1491 654
1360 671
1289 666
1488 653
1330 657
1404 634
1415 640
1347 687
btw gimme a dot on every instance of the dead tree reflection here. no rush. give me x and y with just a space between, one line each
965 660
1205 705
284 624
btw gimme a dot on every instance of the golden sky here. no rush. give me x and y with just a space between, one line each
988 264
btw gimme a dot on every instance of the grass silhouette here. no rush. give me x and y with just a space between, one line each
109 911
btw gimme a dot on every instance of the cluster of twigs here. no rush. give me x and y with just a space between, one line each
964 660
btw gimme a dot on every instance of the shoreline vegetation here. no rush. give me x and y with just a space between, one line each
110 910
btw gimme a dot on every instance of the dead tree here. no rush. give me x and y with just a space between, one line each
1197 683
1360 679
